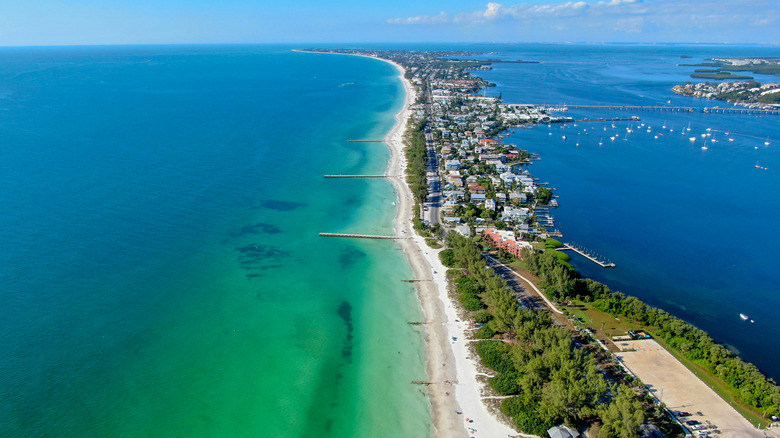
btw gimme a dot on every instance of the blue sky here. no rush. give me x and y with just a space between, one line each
65 22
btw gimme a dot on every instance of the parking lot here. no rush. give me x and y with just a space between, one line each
681 390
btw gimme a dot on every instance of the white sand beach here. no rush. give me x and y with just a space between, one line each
454 392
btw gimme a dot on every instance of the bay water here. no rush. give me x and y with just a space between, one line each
692 231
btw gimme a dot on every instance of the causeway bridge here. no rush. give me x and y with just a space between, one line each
664 108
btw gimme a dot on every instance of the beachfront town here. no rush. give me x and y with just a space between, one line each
751 94
477 184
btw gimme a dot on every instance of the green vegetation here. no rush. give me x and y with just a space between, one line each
549 378
552 243
746 382
719 76
416 157
762 69
447 257
432 243
702 64
543 195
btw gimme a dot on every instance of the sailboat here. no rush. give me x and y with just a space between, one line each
766 143
704 147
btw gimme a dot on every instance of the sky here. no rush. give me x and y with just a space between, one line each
77 22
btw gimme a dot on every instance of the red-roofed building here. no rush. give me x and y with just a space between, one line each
487 142
506 241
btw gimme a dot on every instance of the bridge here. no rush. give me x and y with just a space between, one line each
665 108
591 257
362 236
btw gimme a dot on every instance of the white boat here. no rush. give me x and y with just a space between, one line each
744 317
692 139
731 139
766 143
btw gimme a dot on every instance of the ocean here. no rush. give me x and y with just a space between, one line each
162 273
692 231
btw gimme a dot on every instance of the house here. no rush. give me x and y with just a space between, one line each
490 204
562 431
452 164
477 189
487 142
514 214
478 198
463 230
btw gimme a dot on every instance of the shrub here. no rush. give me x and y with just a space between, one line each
505 383
471 302
447 257
483 317
485 332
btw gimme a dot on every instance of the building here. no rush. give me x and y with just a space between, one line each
562 431
506 241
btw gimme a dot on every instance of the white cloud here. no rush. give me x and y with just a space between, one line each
679 19
442 17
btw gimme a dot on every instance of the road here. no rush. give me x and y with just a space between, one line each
433 204
524 298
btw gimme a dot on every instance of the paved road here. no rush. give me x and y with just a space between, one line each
524 298
433 205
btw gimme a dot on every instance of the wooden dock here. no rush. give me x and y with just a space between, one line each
591 257
362 236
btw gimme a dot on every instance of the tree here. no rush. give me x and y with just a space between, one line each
622 417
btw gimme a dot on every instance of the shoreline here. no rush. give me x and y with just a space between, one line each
453 374
454 392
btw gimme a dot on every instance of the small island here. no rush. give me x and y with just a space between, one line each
750 93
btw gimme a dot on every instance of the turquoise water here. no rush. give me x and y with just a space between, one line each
161 270
692 231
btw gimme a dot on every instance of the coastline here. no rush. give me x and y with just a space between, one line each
453 374
454 391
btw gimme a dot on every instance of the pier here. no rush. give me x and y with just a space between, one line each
358 176
362 236
591 257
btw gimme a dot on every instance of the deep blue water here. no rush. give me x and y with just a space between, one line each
692 231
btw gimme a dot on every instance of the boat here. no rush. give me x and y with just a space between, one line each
731 139
744 317
692 139
766 143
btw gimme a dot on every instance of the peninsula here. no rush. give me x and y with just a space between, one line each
503 289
